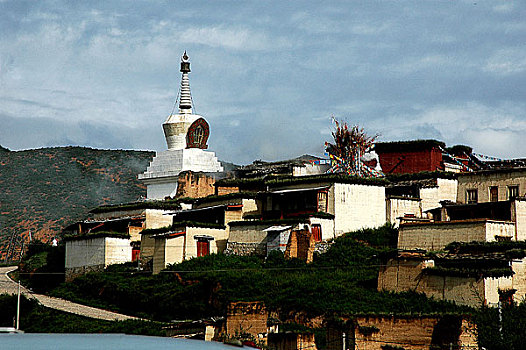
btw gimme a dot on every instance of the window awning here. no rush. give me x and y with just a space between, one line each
203 238
277 228
300 190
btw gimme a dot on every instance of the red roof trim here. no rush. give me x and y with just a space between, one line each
176 234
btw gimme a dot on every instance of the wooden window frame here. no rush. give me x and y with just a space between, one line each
319 198
496 189
510 195
470 198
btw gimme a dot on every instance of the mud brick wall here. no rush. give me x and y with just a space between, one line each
291 341
414 332
194 185
301 245
246 317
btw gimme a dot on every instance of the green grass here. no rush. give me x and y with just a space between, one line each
35 318
341 281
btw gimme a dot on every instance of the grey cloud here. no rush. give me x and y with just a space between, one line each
267 76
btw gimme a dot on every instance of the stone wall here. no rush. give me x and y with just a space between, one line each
291 341
435 236
519 216
117 251
248 233
300 245
222 190
310 169
159 254
157 218
244 249
94 254
399 207
278 240
399 275
357 206
217 245
135 232
446 189
327 227
322 247
147 249
246 318
72 273
482 181
172 250
162 187
519 279
85 252
195 185
418 332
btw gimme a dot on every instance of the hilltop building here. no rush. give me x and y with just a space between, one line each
408 157
186 136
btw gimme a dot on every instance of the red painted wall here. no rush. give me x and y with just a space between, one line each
401 162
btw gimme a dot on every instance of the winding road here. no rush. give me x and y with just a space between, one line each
7 285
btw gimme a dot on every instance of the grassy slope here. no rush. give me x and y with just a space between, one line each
44 189
341 281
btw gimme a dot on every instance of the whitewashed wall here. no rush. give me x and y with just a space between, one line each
97 251
446 190
357 206
398 207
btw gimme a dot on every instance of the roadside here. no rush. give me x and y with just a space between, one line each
7 285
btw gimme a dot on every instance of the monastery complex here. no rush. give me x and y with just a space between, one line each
448 204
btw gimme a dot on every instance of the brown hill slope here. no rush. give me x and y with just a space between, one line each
41 190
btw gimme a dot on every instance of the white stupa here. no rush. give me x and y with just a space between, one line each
186 136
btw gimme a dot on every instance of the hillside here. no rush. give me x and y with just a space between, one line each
43 189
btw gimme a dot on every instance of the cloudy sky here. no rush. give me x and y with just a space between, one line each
267 75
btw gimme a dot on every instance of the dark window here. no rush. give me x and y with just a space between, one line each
472 196
493 194
513 192
316 232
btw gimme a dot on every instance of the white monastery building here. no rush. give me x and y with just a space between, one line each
186 137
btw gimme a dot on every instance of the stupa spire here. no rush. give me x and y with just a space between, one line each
185 96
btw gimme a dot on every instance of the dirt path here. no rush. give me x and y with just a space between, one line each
7 285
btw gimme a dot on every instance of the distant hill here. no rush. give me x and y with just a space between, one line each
44 189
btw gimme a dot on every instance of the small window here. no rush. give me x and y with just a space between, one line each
322 201
493 194
316 232
513 192
472 196
199 134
